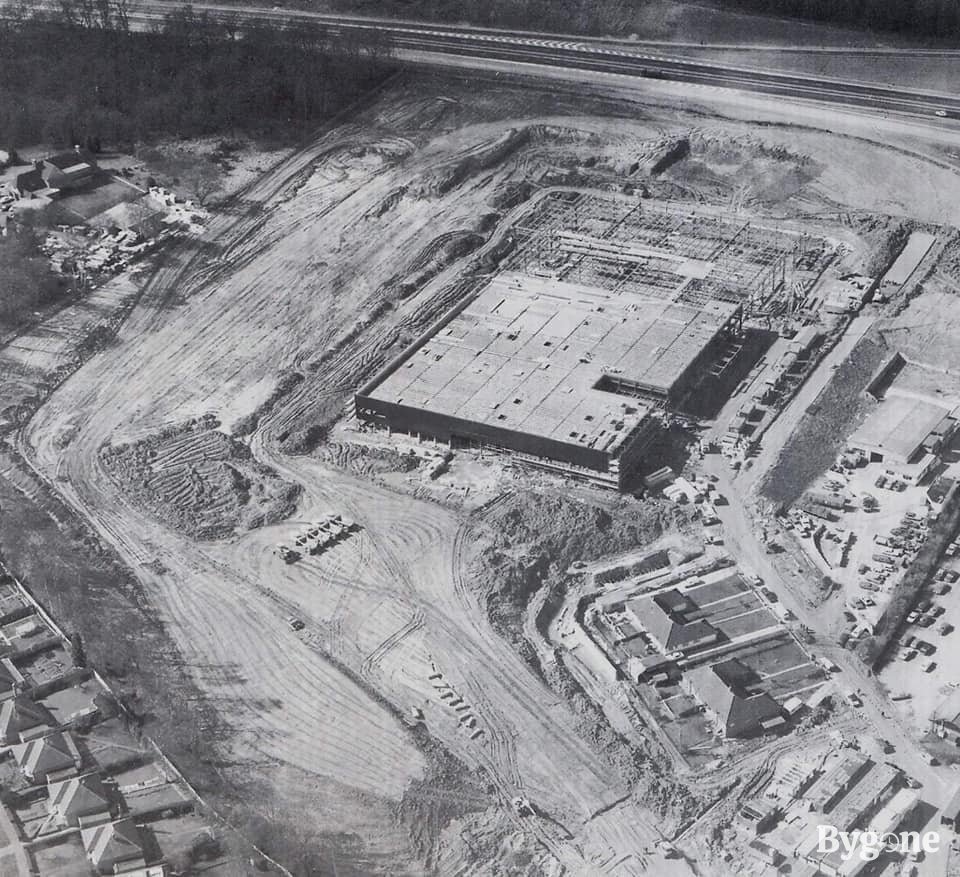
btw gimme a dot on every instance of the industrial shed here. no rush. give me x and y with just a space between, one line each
898 429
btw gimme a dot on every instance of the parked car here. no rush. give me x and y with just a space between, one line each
926 648
945 628
909 641
937 611
943 589
926 621
912 617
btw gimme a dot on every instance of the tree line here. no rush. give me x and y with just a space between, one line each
82 75
937 18
551 16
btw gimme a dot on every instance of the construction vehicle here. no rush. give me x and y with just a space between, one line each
287 554
522 807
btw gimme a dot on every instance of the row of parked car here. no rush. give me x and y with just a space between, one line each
926 614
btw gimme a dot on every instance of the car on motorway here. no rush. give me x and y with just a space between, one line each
941 113
295 623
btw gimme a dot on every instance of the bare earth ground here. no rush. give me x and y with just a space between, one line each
288 280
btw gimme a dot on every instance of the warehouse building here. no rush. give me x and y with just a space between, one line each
902 430
563 375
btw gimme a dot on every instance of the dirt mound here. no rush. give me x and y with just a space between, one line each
201 481
482 157
441 252
364 460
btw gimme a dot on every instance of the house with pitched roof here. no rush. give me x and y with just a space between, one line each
11 679
69 170
114 847
49 758
22 719
79 801
730 692
670 618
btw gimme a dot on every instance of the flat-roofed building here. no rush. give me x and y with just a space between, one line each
562 374
900 430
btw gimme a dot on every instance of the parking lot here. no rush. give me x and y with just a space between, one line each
905 673
865 550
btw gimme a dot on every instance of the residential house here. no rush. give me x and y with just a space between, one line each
22 719
80 801
114 847
11 679
69 170
53 757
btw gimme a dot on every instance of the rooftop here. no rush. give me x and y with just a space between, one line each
899 426
723 688
529 352
73 161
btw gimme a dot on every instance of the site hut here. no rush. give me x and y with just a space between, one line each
563 376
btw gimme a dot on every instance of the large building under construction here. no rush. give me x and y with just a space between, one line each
565 375
601 315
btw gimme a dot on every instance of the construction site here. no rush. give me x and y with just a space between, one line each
604 311
341 463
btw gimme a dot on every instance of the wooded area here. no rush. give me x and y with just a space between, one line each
940 18
551 16
82 76
28 284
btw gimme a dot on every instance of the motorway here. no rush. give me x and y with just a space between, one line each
452 45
